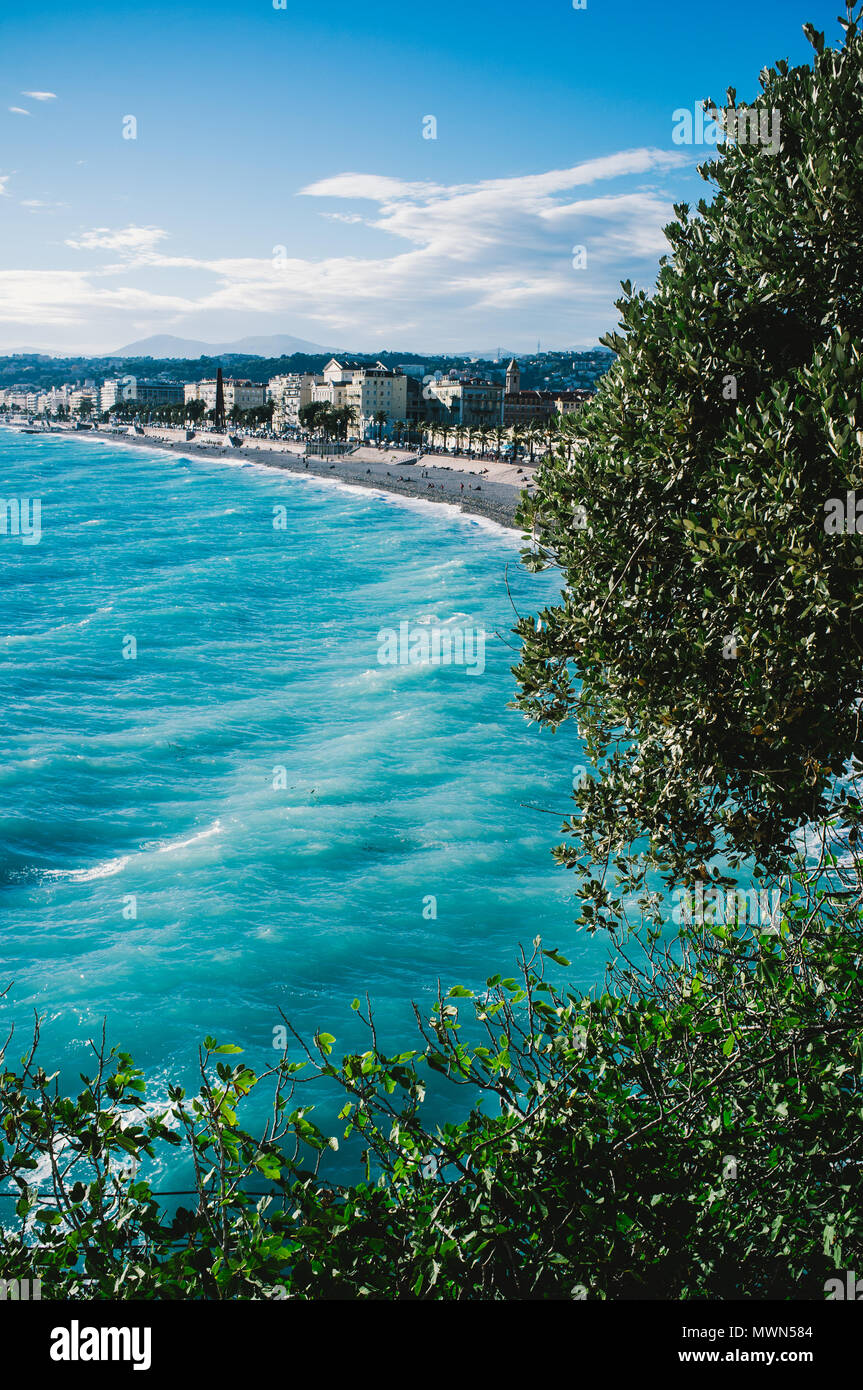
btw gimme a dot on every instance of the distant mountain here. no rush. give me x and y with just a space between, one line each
277 345
166 345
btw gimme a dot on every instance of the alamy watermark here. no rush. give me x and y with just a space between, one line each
844 517
20 1290
715 907
849 1288
432 644
21 516
743 125
77 1343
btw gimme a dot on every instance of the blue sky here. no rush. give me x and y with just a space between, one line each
279 181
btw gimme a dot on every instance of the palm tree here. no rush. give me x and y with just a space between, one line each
443 431
345 417
399 427
483 437
551 433
498 433
380 418
534 435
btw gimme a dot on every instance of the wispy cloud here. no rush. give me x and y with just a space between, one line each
42 204
128 240
59 297
19 111
40 96
455 261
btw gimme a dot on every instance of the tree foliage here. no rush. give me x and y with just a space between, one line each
708 639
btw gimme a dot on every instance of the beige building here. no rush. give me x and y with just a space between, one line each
367 389
567 402
239 393
474 403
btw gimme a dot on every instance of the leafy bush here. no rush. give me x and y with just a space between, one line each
691 1130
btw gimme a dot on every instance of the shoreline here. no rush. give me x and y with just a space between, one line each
452 482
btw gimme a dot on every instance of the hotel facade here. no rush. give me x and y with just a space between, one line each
239 393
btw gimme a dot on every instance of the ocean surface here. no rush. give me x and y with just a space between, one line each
215 802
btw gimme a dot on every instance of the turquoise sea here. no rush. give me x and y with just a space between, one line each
250 812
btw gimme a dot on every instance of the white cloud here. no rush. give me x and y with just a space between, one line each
465 221
42 204
375 187
464 261
129 240
41 96
19 111
67 297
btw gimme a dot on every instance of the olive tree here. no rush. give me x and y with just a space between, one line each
708 640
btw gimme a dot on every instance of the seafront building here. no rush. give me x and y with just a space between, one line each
289 394
145 392
47 402
472 403
239 392
457 399
367 389
381 401
85 396
522 408
14 399
115 390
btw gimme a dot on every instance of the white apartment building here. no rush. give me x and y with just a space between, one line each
289 394
116 389
56 397
24 401
85 393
